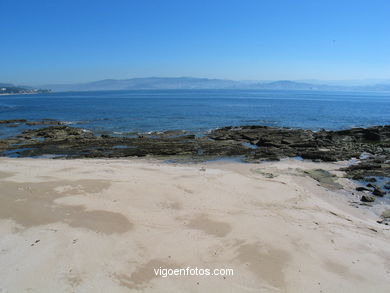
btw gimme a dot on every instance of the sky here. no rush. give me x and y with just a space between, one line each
67 41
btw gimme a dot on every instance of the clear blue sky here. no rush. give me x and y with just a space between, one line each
83 40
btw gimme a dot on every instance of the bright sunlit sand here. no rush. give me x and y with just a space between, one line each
105 225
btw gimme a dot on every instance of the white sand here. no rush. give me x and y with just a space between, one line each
103 225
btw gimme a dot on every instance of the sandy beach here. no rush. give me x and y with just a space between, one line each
105 225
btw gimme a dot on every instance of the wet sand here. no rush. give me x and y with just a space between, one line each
104 225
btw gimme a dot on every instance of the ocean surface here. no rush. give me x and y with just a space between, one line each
126 112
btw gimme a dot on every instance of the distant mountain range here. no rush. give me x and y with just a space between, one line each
150 83
156 83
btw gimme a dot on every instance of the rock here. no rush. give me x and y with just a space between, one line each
372 185
357 177
367 198
369 167
376 189
319 156
44 122
362 188
370 179
58 133
325 178
378 192
386 186
13 121
386 214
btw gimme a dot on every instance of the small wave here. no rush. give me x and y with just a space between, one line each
8 106
75 122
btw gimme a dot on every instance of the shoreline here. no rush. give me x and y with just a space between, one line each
110 222
367 148
13 94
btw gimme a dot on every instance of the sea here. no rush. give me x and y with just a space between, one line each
134 111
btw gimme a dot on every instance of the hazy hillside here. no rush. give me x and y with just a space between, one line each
150 83
179 83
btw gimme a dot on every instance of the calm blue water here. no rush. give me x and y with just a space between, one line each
199 110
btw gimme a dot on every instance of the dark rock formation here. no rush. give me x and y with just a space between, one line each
320 146
367 198
378 192
44 122
362 188
13 121
253 143
379 166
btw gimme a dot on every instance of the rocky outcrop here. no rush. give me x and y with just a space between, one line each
378 165
13 121
32 122
253 143
74 142
367 198
57 133
319 146
44 122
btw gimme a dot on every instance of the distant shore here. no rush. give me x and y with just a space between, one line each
13 94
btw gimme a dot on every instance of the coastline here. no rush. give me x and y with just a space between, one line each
367 149
13 94
87 223
189 147
110 210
